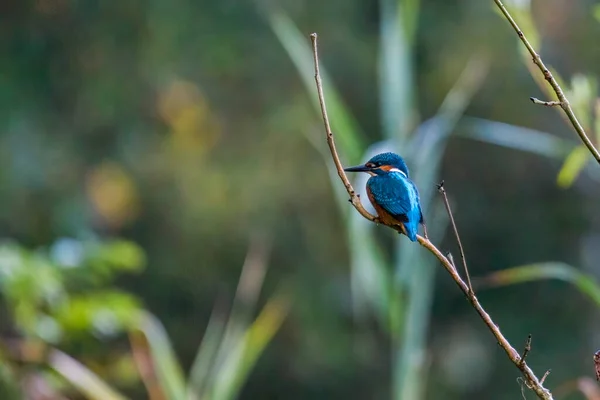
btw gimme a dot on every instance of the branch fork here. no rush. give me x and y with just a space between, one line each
562 99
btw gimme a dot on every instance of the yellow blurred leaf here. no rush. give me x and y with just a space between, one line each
596 12
581 94
176 96
572 167
267 323
113 194
586 284
192 125
243 356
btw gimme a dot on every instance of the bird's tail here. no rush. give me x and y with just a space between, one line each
410 230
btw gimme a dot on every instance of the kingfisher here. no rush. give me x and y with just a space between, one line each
392 193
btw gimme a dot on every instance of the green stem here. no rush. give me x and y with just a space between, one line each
409 352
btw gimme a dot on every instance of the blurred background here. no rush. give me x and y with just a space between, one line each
172 227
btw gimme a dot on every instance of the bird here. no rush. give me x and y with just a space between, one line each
393 194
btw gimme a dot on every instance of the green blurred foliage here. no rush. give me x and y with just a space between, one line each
63 296
186 128
57 292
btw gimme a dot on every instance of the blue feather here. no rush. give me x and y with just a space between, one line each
398 196
391 191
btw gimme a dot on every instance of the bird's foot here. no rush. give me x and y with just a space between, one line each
425 232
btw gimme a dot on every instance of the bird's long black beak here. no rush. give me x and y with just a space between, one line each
358 168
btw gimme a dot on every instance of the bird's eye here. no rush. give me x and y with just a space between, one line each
370 165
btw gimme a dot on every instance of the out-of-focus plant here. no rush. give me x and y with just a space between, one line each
229 349
585 283
63 290
56 293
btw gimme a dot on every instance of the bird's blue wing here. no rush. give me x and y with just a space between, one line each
397 195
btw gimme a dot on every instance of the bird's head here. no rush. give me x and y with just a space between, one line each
382 164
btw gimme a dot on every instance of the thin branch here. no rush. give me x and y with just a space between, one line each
354 198
526 350
442 190
544 377
545 103
562 99
530 378
528 375
451 259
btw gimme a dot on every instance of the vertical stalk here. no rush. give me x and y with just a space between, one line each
409 350
395 74
414 278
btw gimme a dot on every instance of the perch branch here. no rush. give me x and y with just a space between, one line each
442 190
562 99
354 197
528 375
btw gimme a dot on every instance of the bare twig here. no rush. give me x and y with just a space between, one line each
544 376
451 259
562 99
529 376
545 103
442 190
354 198
526 350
